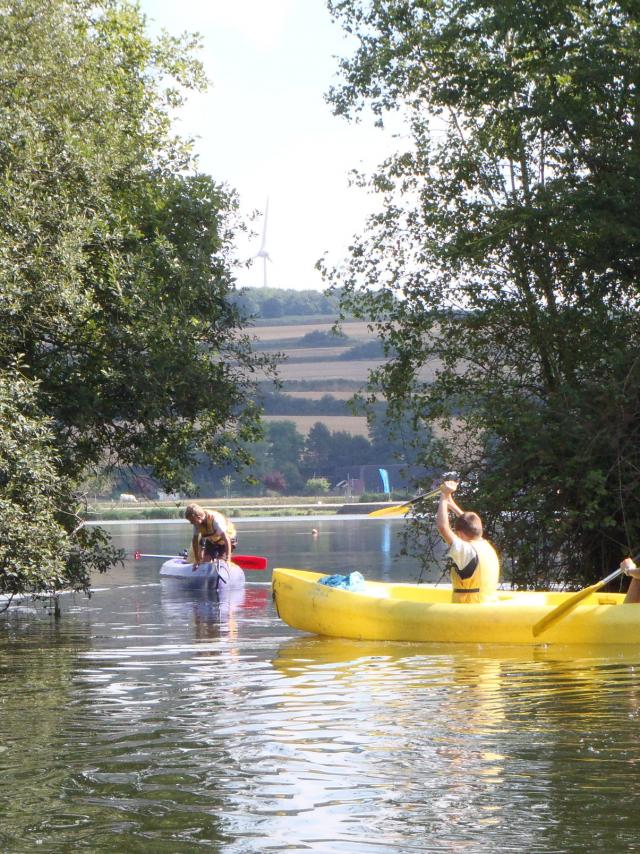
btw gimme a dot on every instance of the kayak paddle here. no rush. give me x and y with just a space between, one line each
569 604
243 561
401 509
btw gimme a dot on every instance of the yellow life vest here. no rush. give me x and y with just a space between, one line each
207 528
481 585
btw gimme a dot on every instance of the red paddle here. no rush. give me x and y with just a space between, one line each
243 561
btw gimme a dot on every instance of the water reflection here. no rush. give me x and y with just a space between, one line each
212 613
481 737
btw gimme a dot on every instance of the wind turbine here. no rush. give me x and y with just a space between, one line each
262 252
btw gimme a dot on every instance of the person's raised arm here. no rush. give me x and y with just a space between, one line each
455 507
442 514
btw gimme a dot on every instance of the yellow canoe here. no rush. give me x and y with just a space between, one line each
422 613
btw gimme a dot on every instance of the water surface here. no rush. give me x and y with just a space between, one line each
155 717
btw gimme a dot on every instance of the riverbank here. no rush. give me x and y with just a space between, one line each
235 508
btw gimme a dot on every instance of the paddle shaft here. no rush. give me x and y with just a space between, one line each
243 561
400 508
613 575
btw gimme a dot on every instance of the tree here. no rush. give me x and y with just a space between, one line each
43 545
286 443
293 478
227 483
275 481
116 255
503 267
317 486
318 447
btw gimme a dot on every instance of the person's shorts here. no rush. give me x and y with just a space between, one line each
216 550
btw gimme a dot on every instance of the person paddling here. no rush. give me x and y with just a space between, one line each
214 536
476 566
633 593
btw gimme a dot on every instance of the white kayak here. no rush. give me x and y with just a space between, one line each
221 573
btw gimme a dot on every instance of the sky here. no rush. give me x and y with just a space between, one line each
265 129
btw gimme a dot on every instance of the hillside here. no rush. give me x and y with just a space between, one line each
316 440
320 371
310 372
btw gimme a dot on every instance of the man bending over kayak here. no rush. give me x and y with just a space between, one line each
214 536
476 566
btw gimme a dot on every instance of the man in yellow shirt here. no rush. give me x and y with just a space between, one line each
476 566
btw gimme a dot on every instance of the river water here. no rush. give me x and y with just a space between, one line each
152 718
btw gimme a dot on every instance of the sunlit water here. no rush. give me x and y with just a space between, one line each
155 718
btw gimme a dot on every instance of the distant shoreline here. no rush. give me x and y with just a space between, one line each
118 511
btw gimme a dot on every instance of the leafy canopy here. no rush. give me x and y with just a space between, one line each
116 255
503 266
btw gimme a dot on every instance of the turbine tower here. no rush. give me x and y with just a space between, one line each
262 252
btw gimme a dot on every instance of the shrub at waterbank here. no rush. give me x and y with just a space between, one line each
43 546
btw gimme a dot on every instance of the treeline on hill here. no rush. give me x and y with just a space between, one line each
273 303
275 403
279 403
285 461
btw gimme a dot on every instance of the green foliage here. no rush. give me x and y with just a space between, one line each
32 541
503 266
317 486
379 497
319 338
116 255
270 303
43 547
285 442
275 481
335 453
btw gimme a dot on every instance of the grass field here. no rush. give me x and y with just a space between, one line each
355 329
318 395
354 424
348 370
321 367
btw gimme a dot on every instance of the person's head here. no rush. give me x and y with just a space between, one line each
468 526
194 513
